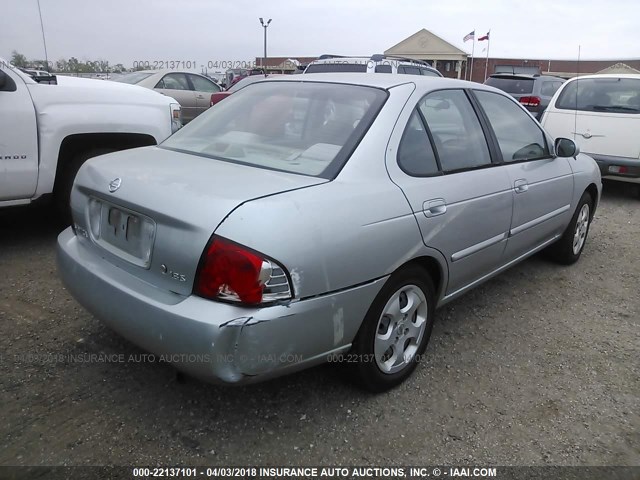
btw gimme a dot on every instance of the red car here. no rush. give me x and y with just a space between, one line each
219 96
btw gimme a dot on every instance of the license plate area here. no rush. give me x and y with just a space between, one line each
123 232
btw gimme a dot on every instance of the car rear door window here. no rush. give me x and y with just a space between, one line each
203 85
455 129
408 70
415 153
174 81
548 88
519 136
383 68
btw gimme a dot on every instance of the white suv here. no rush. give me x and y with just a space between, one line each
374 64
601 113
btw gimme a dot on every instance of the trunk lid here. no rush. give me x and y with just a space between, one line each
164 208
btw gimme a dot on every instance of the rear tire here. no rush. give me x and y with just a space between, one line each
64 182
395 332
568 249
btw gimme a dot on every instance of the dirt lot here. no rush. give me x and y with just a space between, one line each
537 367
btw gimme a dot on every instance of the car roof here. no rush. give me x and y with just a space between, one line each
609 75
526 76
373 58
382 80
166 70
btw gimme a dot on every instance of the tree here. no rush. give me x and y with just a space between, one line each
62 65
102 65
18 59
73 64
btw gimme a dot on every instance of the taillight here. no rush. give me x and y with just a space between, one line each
212 101
231 272
530 101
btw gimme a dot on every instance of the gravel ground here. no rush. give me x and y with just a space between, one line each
536 367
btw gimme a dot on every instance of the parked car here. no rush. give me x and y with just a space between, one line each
219 96
48 130
602 115
321 217
532 91
374 64
234 75
192 90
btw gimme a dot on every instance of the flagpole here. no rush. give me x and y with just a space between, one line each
473 48
486 64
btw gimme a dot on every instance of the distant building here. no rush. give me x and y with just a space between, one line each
426 46
453 62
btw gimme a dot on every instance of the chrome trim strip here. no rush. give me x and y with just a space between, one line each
504 267
537 221
478 246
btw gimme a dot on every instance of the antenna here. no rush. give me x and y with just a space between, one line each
575 112
46 57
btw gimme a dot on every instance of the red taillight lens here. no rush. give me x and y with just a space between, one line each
530 101
231 272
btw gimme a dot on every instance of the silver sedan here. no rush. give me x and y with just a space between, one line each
323 218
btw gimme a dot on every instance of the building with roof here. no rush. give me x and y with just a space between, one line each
454 62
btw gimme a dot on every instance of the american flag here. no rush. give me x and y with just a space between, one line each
469 36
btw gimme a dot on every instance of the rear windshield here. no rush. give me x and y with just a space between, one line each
512 85
616 95
336 67
132 78
305 128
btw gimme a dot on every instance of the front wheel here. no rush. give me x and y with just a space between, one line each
395 331
568 249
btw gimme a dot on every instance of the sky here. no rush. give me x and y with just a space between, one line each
203 31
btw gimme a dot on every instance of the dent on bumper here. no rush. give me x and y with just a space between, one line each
210 340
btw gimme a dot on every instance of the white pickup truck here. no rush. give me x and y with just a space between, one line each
48 130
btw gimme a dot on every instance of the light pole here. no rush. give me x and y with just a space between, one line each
264 60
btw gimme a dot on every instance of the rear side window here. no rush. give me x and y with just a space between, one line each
174 81
519 136
456 130
415 153
512 85
384 68
203 85
614 95
336 67
549 88
409 70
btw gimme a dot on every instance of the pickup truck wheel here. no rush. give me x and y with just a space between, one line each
568 249
62 193
395 331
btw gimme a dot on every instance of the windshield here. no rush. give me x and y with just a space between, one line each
617 95
133 78
513 85
305 128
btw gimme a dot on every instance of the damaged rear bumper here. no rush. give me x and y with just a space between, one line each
213 341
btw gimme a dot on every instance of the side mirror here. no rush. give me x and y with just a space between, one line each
566 148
